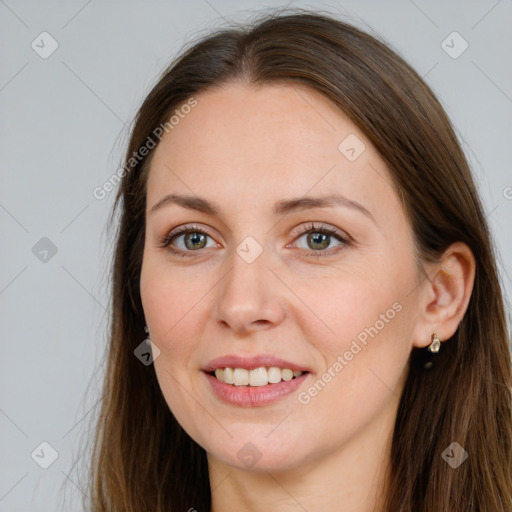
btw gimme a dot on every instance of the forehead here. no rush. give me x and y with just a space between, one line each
247 143
282 119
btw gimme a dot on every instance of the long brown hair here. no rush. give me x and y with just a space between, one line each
142 459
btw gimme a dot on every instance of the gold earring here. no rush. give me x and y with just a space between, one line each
436 343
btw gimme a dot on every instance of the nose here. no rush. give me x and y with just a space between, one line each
250 297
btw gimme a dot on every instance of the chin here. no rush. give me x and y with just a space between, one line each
259 454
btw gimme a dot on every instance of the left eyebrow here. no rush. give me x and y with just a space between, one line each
280 208
329 201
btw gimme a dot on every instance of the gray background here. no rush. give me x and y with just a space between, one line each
63 125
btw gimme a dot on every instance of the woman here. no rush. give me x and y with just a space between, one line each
301 238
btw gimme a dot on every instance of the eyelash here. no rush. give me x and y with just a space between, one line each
311 228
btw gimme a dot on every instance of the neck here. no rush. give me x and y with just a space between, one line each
349 479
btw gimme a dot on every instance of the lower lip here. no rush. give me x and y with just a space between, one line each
254 396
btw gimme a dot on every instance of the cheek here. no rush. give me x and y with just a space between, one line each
364 362
168 296
364 338
350 307
170 302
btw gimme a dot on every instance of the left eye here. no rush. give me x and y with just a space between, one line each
319 239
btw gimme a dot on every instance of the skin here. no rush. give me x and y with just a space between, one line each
245 148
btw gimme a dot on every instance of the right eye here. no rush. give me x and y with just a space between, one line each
195 238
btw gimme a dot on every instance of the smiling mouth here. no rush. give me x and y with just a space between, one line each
256 377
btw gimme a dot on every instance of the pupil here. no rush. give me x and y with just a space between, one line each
318 238
194 238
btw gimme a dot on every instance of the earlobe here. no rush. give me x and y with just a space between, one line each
446 294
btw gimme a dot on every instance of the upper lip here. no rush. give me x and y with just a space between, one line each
251 362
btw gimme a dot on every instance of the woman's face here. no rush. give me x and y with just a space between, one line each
266 287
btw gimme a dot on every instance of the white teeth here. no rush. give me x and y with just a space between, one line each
228 375
274 375
256 377
240 377
287 374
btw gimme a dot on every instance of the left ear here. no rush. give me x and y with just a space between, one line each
445 296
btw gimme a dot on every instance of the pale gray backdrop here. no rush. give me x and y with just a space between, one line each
63 111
